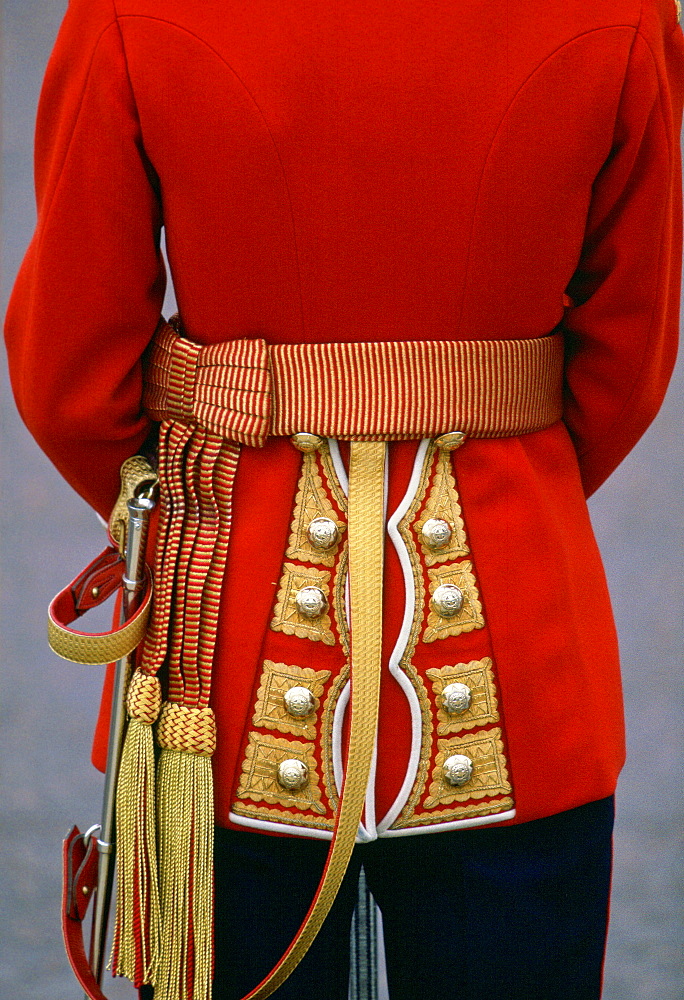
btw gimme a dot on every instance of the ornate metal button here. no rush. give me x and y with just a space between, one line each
323 533
447 600
293 774
306 442
450 441
436 534
299 702
456 698
311 602
458 769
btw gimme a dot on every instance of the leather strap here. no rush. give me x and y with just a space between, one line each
79 883
95 584
366 527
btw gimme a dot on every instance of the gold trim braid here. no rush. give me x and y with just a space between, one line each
99 647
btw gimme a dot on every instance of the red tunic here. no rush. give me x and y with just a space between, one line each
374 172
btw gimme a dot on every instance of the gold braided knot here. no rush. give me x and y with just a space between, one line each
143 700
189 729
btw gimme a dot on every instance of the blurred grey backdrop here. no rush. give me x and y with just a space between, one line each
48 706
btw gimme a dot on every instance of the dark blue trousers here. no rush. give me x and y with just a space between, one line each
504 913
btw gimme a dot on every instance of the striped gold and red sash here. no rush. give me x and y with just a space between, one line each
246 390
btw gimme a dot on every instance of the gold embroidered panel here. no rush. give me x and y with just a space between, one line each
271 711
433 799
437 498
443 504
287 618
468 811
293 818
259 778
478 676
312 501
469 617
489 778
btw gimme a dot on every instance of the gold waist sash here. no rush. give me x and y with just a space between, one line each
246 390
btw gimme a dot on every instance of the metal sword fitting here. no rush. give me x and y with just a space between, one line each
139 510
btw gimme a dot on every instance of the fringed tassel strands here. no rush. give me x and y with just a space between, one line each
137 924
186 830
136 935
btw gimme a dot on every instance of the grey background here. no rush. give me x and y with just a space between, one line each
48 706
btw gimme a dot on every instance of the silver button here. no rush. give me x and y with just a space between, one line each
447 600
436 534
458 769
311 602
456 698
292 774
306 442
299 702
323 533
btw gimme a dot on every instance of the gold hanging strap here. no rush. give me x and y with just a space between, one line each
366 549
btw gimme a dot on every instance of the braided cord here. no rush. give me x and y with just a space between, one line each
366 549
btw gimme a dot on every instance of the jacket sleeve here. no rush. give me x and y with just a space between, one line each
622 330
89 293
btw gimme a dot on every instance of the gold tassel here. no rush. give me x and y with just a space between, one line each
137 931
186 852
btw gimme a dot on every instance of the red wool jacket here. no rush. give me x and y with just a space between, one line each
376 172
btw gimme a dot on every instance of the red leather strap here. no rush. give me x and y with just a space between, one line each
97 581
79 883
95 584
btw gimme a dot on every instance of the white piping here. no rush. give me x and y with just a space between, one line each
299 831
338 722
265 824
368 826
402 640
